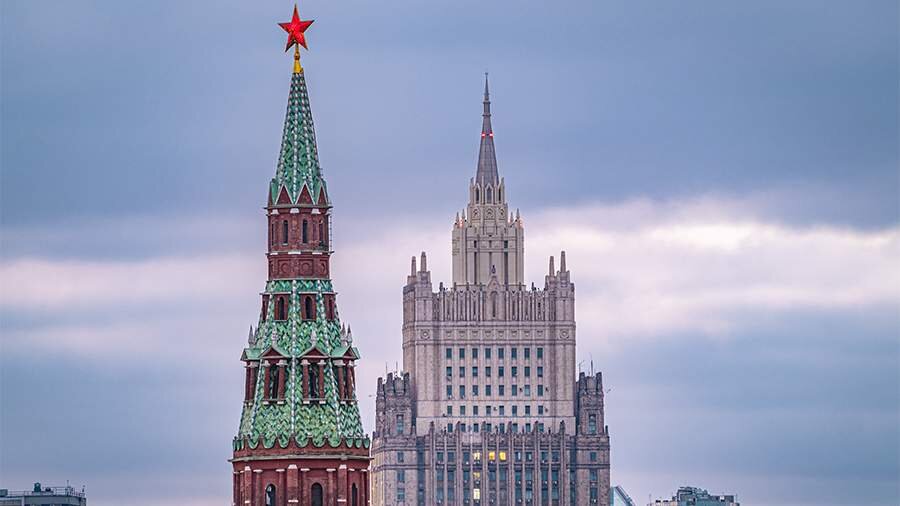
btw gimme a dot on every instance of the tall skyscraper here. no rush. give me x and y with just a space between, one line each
488 410
300 439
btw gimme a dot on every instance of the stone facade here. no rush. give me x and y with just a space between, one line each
488 410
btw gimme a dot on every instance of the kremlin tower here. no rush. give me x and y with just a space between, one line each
300 440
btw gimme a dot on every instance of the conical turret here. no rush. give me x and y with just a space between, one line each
298 161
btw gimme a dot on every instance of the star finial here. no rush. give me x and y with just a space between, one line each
296 38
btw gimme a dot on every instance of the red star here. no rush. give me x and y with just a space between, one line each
295 30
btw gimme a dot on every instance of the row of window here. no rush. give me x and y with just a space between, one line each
517 455
491 456
311 376
501 391
513 353
488 192
307 306
501 371
502 428
494 410
304 233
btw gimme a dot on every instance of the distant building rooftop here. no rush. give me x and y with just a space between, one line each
693 496
43 496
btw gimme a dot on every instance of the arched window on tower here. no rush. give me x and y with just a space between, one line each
279 309
273 381
321 234
354 496
309 312
304 232
316 495
348 390
499 194
270 495
488 195
314 381
477 195
284 232
494 304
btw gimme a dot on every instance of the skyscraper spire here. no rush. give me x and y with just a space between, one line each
487 158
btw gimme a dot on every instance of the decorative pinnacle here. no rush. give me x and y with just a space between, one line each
295 28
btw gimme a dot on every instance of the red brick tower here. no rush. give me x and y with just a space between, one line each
300 441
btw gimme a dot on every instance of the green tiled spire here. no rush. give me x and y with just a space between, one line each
298 162
293 418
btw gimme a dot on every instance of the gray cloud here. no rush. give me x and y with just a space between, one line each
169 116
772 380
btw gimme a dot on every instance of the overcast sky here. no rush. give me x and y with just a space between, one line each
722 175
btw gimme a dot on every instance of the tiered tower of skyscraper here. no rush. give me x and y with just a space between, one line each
300 439
488 410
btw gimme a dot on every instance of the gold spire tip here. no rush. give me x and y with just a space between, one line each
297 67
